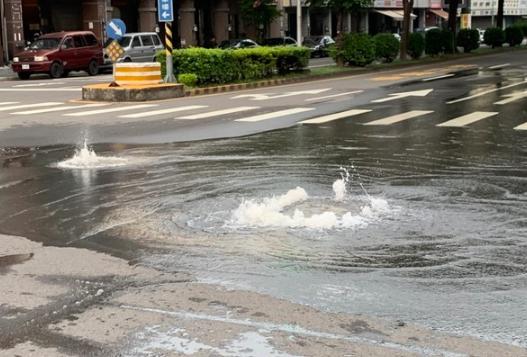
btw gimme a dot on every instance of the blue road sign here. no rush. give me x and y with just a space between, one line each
165 10
115 29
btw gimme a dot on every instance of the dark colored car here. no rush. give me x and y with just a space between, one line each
238 43
59 53
279 41
319 45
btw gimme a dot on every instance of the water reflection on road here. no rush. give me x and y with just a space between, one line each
440 237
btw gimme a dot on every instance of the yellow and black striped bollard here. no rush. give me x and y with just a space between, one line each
169 78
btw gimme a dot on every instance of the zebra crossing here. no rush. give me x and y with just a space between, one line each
196 112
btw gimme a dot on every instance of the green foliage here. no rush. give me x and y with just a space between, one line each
216 66
433 42
513 36
386 46
468 39
342 5
188 79
522 25
416 45
258 12
356 49
448 41
494 37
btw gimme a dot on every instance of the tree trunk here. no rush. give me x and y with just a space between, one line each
408 6
340 22
499 15
452 15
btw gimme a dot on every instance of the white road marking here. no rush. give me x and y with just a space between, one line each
521 127
110 110
59 109
394 96
399 117
37 84
486 92
512 98
336 116
162 111
498 66
438 77
60 89
218 113
24 106
334 95
8 103
268 96
273 115
467 119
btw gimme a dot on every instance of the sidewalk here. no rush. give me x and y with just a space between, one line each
6 72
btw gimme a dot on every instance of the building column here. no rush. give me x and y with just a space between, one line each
147 16
95 14
422 18
14 26
221 21
187 23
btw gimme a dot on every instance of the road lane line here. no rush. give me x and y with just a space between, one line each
336 116
400 117
521 127
438 77
498 66
162 111
511 98
334 95
37 84
110 110
467 119
273 115
486 92
8 103
24 106
40 89
59 109
217 113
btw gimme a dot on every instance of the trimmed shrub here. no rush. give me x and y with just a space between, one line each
513 36
291 58
356 49
521 25
386 46
494 37
188 79
416 45
448 41
468 39
433 42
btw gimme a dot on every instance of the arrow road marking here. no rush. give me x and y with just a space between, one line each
399 117
512 97
116 28
394 96
486 92
267 96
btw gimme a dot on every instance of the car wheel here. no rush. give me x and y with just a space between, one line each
56 70
23 76
127 59
93 68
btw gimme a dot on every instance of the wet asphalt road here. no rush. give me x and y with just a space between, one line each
436 234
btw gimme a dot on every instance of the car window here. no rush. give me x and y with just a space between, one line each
125 41
68 43
147 40
136 42
90 40
45 44
157 42
79 41
247 44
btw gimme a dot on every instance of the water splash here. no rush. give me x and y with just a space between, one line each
86 158
340 185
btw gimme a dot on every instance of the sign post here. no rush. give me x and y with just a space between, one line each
115 30
165 13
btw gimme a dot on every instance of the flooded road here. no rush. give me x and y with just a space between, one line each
425 225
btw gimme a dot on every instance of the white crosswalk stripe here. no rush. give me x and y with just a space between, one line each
110 110
24 106
273 115
400 117
336 116
333 96
162 111
467 119
217 113
59 109
8 103
521 127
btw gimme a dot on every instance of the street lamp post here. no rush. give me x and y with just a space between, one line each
299 22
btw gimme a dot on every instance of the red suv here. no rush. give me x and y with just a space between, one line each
59 53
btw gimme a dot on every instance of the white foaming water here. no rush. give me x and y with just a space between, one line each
86 158
340 185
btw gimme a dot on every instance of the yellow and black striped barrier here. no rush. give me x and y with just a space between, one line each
138 73
169 78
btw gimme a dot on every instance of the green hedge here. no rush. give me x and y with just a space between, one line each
433 42
448 41
386 46
513 36
217 66
356 49
468 39
416 45
494 37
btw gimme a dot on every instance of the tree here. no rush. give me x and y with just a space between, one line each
340 7
499 15
259 13
408 6
452 15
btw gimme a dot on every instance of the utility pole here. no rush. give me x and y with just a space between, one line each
299 22
3 39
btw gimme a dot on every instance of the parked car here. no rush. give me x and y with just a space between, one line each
138 47
279 41
319 45
238 43
59 53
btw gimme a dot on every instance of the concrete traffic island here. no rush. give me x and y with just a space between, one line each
134 82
